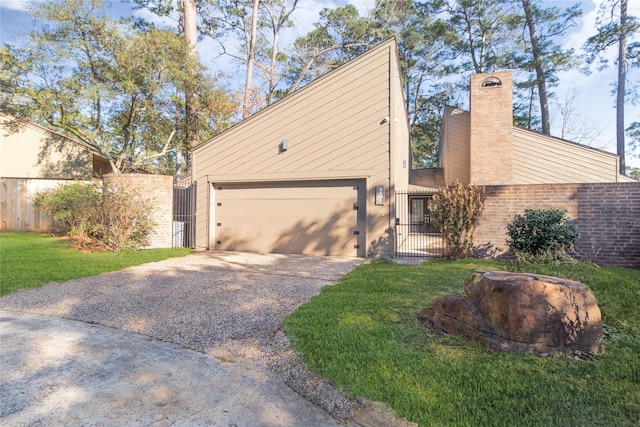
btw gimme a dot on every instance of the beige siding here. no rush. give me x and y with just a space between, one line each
318 137
335 129
625 178
540 159
33 152
455 158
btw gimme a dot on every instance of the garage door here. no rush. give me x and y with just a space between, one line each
315 218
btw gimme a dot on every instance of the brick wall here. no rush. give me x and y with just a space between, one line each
607 215
158 189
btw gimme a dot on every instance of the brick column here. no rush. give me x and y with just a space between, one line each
491 128
158 189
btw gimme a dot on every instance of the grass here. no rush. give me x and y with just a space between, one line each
33 260
363 334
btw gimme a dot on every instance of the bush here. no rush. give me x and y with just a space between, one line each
74 208
542 235
456 211
98 218
126 219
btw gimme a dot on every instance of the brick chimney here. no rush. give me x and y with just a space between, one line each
491 130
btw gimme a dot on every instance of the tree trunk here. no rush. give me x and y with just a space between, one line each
191 110
251 54
179 148
622 75
537 61
272 70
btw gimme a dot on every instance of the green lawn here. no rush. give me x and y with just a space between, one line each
363 334
32 260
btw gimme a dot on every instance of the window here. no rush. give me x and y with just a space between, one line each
419 215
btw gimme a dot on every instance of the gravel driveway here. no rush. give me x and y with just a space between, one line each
225 304
228 305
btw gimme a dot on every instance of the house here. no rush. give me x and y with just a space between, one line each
482 147
326 171
521 170
316 172
32 151
33 158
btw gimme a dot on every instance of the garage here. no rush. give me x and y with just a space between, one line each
315 173
304 217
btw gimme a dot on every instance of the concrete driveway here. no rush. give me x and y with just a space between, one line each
186 341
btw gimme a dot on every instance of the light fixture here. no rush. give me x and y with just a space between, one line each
379 195
284 146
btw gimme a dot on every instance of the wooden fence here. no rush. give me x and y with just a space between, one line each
17 212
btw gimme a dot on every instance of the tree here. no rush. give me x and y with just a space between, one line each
222 20
545 57
633 132
488 38
615 28
541 80
251 56
518 35
107 83
277 18
423 45
576 127
191 36
484 34
340 35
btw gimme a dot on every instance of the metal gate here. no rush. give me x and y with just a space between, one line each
184 214
416 236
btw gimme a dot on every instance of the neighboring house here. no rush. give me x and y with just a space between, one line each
32 151
316 172
33 158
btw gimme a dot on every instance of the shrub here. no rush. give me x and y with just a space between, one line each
126 219
541 235
74 208
97 217
456 211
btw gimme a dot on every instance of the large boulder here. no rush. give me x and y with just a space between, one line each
523 313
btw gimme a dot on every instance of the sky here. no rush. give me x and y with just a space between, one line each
592 93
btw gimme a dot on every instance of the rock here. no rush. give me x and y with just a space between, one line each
377 414
523 313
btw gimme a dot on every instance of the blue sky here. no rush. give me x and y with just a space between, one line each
593 101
